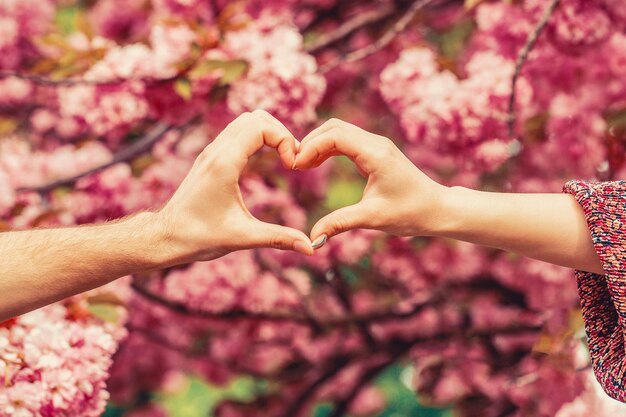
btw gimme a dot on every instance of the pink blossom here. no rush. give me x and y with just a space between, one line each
281 78
105 111
22 400
14 90
120 19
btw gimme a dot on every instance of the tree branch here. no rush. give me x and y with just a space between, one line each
304 301
41 80
349 27
343 294
181 308
383 41
366 378
522 57
300 401
137 148
63 82
161 341
295 317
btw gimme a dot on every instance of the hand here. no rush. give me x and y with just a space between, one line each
398 199
206 217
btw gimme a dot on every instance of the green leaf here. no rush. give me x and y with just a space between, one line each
106 306
106 312
65 18
230 70
182 86
402 401
198 398
233 70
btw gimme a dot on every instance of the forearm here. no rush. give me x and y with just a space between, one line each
548 227
46 265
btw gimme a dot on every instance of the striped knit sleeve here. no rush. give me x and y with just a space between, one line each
603 297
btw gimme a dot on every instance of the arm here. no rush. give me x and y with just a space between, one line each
205 219
548 227
46 265
402 200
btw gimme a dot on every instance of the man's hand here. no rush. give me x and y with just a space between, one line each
207 218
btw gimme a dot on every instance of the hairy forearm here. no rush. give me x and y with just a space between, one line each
548 227
46 265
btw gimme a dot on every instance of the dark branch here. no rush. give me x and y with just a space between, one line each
304 304
349 27
129 153
291 316
161 340
383 41
182 308
522 57
343 294
41 80
367 377
300 401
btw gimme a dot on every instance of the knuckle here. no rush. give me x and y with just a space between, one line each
209 161
261 113
206 154
278 242
241 120
386 148
335 123
338 225
244 117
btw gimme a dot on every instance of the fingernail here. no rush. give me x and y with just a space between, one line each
302 248
294 162
319 242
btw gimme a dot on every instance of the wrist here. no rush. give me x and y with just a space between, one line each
158 246
451 216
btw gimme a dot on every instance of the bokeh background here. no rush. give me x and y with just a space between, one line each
104 105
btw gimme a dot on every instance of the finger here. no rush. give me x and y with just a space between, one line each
323 159
319 161
251 131
267 235
356 216
337 137
340 128
278 124
235 126
272 133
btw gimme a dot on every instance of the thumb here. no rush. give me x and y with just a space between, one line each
339 221
266 235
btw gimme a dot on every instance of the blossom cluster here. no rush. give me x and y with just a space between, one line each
281 80
20 23
464 118
55 362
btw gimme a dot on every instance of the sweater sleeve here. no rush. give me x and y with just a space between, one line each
603 297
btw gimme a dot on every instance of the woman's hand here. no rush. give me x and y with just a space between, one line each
402 200
398 199
206 217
